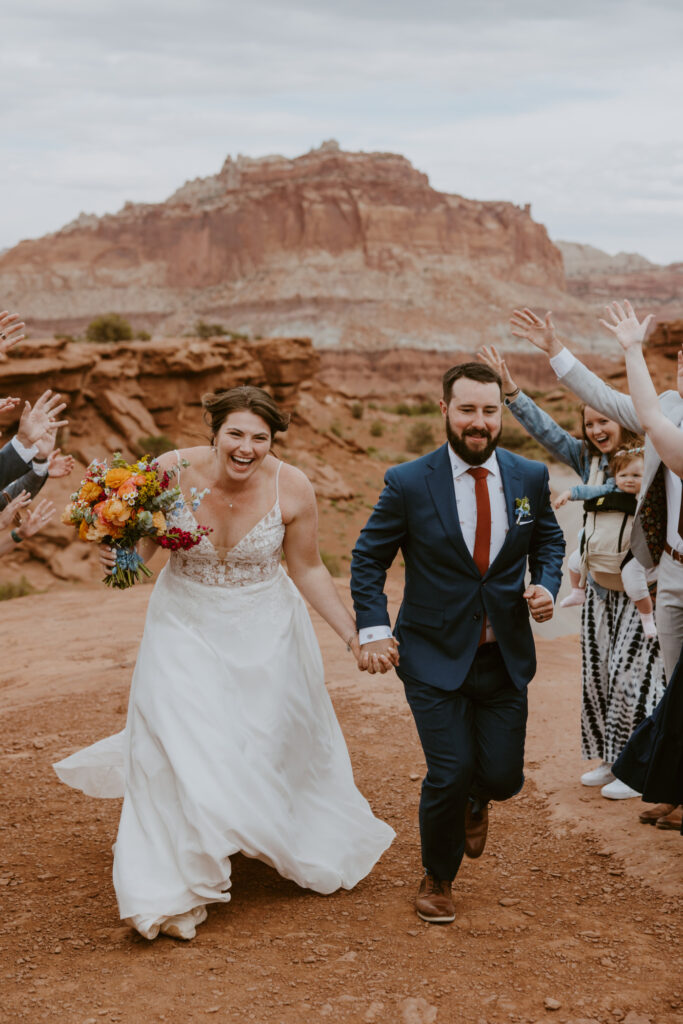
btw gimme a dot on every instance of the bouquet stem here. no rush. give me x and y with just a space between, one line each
128 570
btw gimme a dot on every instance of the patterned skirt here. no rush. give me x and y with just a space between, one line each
623 674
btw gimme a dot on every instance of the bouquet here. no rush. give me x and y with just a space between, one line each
122 503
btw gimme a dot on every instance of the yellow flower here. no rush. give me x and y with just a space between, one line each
159 520
116 477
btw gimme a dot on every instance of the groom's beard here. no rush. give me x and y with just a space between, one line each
460 448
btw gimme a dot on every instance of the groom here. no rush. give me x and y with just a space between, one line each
467 518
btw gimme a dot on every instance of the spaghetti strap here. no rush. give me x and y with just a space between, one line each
277 484
177 455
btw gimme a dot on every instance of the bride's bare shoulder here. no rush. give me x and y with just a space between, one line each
296 491
196 457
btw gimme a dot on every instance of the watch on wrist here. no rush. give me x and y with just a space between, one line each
39 459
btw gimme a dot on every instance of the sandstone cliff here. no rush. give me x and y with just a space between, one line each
355 250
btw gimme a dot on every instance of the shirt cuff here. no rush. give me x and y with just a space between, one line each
562 362
40 468
24 453
370 633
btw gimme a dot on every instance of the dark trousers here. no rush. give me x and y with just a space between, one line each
473 742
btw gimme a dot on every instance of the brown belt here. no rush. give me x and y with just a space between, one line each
676 555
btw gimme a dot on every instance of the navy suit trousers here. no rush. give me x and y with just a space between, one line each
473 742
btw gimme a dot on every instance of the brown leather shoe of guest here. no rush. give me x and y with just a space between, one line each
672 820
476 830
434 902
651 814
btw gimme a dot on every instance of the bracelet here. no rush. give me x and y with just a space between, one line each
15 537
511 395
349 639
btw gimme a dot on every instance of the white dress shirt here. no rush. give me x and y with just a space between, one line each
562 364
465 499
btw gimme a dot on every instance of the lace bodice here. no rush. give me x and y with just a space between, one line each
254 559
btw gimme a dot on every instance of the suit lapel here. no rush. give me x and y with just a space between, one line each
511 478
439 482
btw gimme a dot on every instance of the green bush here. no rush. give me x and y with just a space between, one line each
427 408
202 329
357 410
63 337
403 409
109 327
155 445
419 438
143 336
376 428
336 428
331 563
12 589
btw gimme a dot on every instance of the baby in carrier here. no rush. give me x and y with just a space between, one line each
604 542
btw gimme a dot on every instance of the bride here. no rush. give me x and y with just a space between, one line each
231 742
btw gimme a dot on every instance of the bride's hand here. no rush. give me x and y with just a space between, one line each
107 557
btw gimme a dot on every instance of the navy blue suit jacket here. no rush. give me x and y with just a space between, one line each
439 623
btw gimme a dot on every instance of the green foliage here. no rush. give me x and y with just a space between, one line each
425 408
63 337
357 410
14 589
109 327
419 438
336 428
376 428
155 445
202 329
403 409
331 563
143 336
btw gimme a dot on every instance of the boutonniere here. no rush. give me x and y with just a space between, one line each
522 509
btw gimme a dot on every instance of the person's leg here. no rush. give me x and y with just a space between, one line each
578 592
635 584
500 715
595 645
444 723
670 611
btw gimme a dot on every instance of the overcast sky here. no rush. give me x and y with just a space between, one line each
574 107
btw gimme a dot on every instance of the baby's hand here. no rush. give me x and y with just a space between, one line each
562 499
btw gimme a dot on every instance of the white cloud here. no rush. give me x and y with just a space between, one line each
575 109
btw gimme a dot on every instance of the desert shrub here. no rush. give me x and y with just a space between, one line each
336 428
419 438
331 563
63 337
403 409
143 336
426 408
376 428
202 329
357 410
16 589
155 445
109 327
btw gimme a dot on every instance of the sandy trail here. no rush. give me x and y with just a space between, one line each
590 916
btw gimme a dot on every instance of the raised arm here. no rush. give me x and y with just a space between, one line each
535 420
666 437
585 384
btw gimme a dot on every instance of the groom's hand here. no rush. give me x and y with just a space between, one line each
378 656
541 605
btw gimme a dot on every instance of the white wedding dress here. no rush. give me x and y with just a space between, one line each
231 742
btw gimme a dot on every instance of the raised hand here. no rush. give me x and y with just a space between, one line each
59 465
562 499
36 519
41 418
10 328
625 326
6 404
493 358
540 333
7 516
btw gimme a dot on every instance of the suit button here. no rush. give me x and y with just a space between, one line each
476 617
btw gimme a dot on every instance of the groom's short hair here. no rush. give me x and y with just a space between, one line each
473 371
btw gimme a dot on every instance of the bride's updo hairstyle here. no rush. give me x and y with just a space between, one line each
218 407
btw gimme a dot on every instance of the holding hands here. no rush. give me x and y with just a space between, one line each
378 656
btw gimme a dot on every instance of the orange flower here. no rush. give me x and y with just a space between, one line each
90 491
83 530
116 477
67 514
127 489
113 512
159 520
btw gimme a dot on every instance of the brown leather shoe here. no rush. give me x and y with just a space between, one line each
650 815
434 902
672 820
476 830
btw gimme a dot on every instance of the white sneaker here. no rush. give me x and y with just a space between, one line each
618 790
598 776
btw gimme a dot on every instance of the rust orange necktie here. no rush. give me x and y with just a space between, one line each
482 536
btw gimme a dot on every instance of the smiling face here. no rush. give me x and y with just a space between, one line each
630 476
242 442
603 434
473 419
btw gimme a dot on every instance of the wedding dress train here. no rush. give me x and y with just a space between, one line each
231 742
